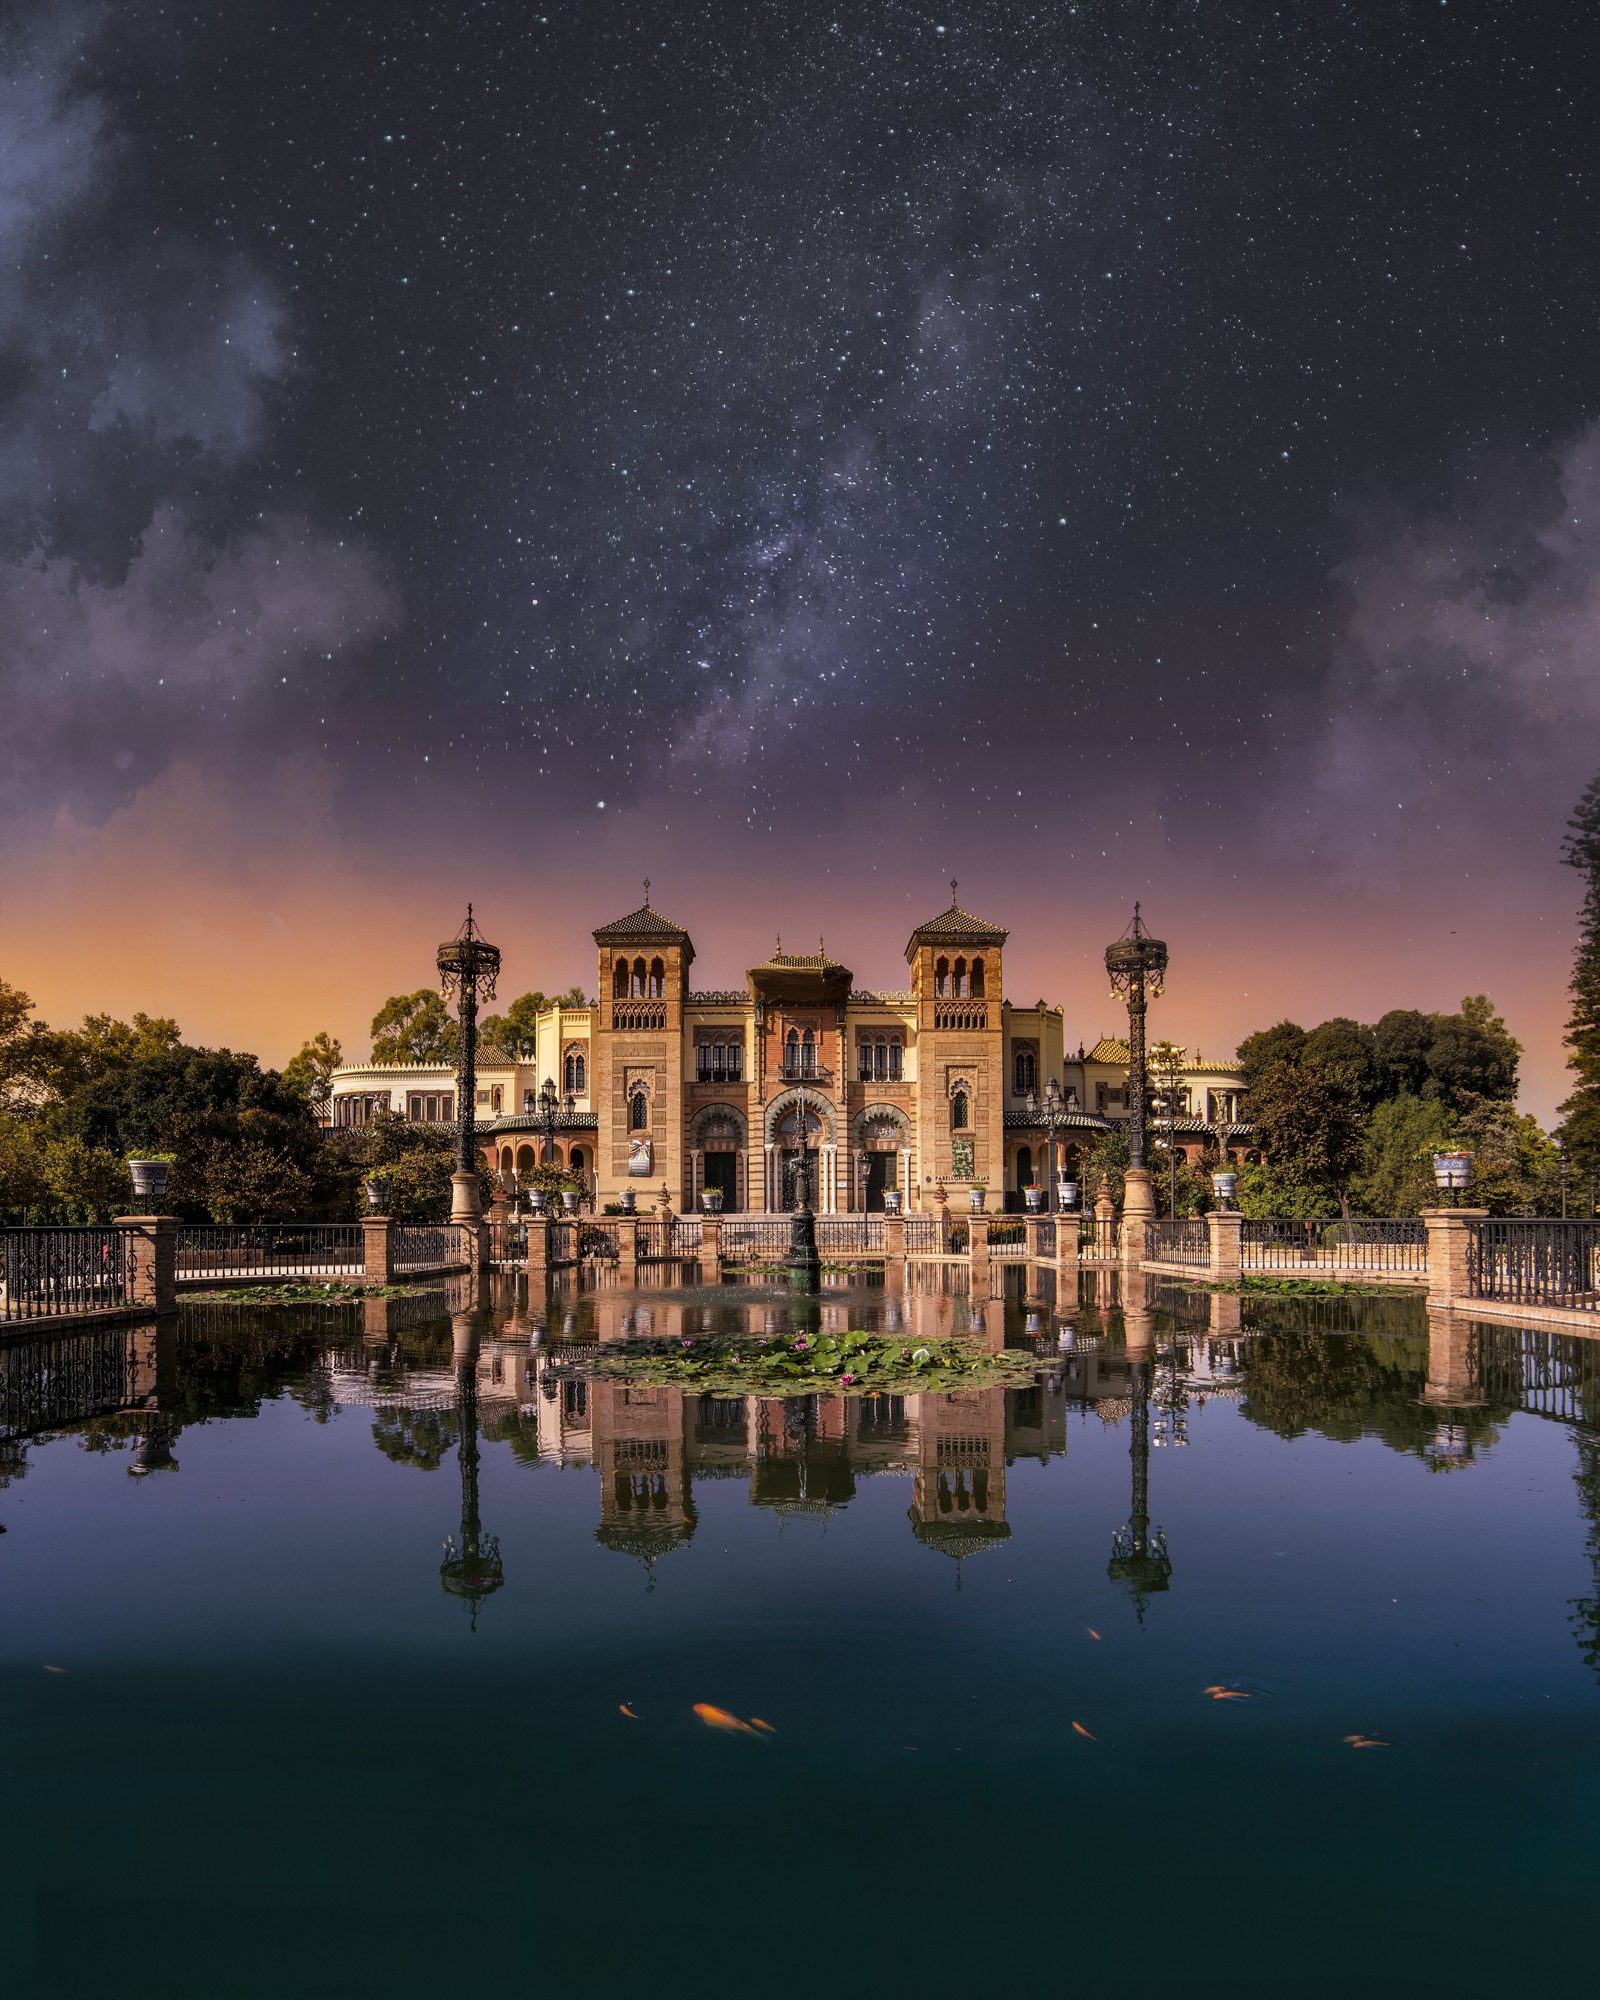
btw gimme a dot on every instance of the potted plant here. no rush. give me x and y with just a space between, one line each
150 1172
711 1200
976 1192
536 1201
891 1201
1067 1192
377 1190
569 1200
1033 1197
629 1202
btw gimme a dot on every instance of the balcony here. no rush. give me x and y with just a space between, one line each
960 1014
805 1073
636 1014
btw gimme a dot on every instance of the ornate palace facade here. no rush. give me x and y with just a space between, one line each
913 1090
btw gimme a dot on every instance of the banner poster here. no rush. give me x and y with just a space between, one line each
639 1158
961 1157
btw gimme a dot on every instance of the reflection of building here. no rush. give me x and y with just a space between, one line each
904 1090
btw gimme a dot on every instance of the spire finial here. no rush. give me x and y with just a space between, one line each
647 892
953 887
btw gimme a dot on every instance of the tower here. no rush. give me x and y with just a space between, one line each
958 986
639 1051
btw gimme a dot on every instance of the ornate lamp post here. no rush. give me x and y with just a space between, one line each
1139 1558
468 969
1137 964
1052 1116
472 1569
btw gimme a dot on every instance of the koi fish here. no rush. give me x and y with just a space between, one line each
1229 1694
719 1718
623 1709
1359 1742
1093 1634
757 1723
1084 1732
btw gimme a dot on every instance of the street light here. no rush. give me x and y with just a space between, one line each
1052 1116
468 968
1137 964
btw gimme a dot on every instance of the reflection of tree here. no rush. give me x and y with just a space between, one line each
1349 1386
1586 1610
414 1437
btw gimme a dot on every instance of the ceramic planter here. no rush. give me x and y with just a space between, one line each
149 1178
977 1195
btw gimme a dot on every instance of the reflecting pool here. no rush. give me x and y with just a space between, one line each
1254 1645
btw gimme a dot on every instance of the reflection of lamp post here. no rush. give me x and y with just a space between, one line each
474 1570
1052 1116
1139 1559
468 967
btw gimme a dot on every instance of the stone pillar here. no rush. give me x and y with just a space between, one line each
1068 1251
628 1247
538 1245
711 1241
466 1198
1105 1213
894 1239
1448 1246
978 1242
1226 1315
377 1256
1035 1227
155 1261
1452 1350
1227 1232
1138 1213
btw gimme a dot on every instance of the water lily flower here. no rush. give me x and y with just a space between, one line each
846 1379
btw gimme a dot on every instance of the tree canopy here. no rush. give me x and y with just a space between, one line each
1581 1113
414 1028
516 1030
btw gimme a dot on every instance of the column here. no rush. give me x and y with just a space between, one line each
628 1248
1138 1212
376 1261
1227 1231
538 1246
153 1246
894 1239
1449 1250
978 1248
711 1241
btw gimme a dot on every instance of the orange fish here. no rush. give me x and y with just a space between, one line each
719 1718
623 1709
757 1723
1084 1732
55 1670
1093 1634
1229 1694
1359 1742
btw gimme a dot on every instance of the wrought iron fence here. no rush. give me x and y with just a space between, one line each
1543 1263
428 1246
686 1236
1045 1235
600 1240
957 1239
1180 1241
270 1250
1008 1237
44 1272
508 1242
762 1237
1100 1237
1284 1243
839 1235
63 1378
922 1235
564 1242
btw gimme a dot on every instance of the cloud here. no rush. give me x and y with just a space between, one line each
1462 702
149 599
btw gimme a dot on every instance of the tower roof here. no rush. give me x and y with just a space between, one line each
800 977
644 926
955 926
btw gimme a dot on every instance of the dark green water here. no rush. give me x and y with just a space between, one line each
252 1743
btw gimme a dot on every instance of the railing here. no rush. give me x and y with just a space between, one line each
957 1239
1045 1231
841 1234
508 1242
67 1375
564 1241
427 1246
1180 1242
1286 1243
922 1235
723 1072
800 1073
651 1244
44 1272
1543 1263
1008 1237
638 1014
1099 1238
601 1240
270 1250
960 1014
686 1236
758 1236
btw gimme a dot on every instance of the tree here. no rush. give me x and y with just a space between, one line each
1515 1167
85 1183
516 1030
252 1181
1258 1052
1402 1039
1472 1054
1397 1148
311 1071
1352 1049
21 1167
414 1028
1308 1119
1580 1125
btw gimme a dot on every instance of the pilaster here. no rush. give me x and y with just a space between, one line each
377 1256
155 1261
1449 1253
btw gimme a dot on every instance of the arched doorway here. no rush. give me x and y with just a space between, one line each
786 1134
1024 1171
881 1140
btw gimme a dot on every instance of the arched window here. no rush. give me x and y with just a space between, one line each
808 1053
880 1060
791 1052
895 1054
658 979
735 1058
1024 1166
941 978
577 1163
619 980
574 1074
638 979
505 1159
977 979
959 988
1024 1072
639 1111
864 1062
524 1159
958 1111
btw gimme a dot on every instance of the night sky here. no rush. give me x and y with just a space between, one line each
801 453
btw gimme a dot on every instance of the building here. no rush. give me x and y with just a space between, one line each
935 1086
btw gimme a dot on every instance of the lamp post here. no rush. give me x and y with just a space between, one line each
1052 1116
468 968
549 1108
1137 965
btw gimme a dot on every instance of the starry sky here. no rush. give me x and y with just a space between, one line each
802 454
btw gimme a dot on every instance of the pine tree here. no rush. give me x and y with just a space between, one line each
1580 1114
